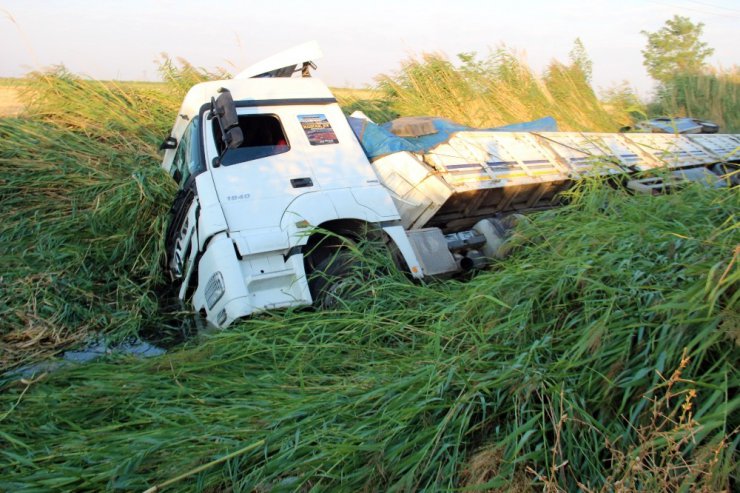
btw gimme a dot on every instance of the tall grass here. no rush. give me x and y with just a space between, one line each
83 209
602 354
621 101
498 90
714 96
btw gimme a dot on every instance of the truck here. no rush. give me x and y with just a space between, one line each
276 185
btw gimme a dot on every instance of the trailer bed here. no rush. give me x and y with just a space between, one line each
479 173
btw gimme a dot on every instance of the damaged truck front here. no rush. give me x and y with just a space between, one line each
270 179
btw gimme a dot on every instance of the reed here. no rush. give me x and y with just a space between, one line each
609 340
83 210
497 90
714 96
602 355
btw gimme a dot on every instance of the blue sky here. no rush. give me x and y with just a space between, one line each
123 39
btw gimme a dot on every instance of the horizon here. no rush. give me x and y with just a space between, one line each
135 34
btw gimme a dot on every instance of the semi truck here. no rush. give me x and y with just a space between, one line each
276 185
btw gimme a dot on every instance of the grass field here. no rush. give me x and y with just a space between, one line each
601 356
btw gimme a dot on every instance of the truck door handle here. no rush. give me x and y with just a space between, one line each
301 182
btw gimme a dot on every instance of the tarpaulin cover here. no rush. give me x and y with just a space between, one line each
378 140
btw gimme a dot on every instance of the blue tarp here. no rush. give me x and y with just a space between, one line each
378 141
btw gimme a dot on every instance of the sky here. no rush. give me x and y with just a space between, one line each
106 39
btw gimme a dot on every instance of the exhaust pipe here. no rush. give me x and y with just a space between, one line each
471 260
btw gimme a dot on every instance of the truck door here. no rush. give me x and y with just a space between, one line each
257 181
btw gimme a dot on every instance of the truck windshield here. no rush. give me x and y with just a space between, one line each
263 137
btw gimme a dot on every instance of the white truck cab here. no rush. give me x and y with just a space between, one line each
254 218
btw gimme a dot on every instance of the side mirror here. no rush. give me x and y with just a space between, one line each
168 143
225 112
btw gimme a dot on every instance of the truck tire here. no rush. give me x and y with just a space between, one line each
331 281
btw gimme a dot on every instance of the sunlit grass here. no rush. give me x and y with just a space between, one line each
495 91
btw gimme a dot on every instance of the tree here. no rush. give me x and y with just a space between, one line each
675 48
579 58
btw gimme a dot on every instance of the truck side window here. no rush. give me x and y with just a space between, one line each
188 157
263 137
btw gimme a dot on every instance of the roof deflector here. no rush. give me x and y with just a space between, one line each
284 63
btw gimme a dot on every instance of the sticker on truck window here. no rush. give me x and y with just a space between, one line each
318 130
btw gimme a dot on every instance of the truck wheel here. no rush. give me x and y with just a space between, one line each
331 281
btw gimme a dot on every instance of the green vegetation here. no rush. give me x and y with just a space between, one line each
83 207
8 81
675 49
621 101
675 57
714 96
603 353
579 58
495 91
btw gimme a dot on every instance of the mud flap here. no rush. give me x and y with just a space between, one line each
398 235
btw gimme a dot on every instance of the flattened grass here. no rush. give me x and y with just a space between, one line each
560 359
83 210
602 355
84 205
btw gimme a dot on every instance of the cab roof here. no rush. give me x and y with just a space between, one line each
254 91
268 81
